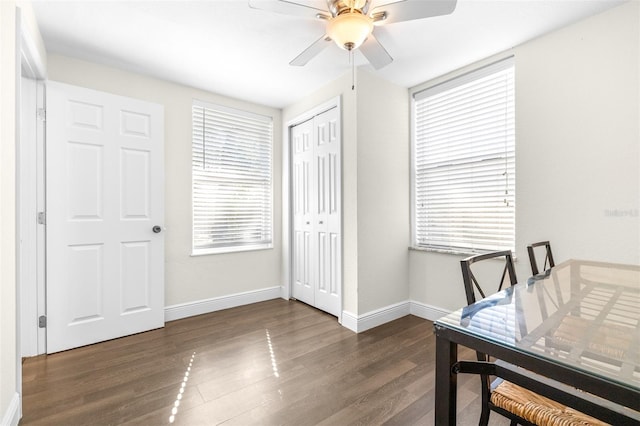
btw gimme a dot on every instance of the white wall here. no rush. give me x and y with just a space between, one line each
188 278
577 151
578 141
383 193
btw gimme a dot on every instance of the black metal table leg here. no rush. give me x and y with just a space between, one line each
446 381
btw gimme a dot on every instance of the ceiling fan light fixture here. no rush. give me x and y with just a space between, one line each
355 4
349 30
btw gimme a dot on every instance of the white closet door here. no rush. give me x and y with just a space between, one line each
317 245
327 216
105 212
303 271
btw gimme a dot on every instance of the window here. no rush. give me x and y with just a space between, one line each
231 170
463 182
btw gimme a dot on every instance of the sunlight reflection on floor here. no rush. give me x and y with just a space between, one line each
274 362
176 404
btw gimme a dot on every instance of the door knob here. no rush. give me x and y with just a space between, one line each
157 229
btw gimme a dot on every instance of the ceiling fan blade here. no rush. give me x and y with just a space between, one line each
286 7
375 53
332 7
311 51
407 10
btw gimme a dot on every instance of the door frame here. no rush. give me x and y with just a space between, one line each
30 290
29 60
287 194
30 201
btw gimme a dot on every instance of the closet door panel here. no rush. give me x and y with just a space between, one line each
303 210
328 217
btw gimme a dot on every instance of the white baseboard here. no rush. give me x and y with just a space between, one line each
12 416
199 307
366 321
284 293
356 323
428 312
349 320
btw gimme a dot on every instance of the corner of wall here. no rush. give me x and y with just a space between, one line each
372 319
383 191
13 413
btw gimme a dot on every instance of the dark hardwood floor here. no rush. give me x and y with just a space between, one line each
271 363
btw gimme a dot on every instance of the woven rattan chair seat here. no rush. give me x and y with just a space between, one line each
538 409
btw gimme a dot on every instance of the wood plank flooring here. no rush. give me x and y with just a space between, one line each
271 363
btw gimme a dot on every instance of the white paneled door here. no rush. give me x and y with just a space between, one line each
105 216
302 147
317 244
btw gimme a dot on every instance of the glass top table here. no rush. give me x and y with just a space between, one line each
579 324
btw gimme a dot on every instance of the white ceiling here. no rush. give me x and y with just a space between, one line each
223 46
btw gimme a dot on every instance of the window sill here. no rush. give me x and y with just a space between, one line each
229 250
454 252
443 251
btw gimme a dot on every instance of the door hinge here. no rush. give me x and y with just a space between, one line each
42 218
42 114
42 321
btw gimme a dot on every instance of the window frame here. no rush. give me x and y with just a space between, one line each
439 87
232 248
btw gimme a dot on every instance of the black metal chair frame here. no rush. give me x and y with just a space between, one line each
470 287
470 281
548 258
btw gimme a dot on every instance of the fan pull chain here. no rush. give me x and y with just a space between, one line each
353 72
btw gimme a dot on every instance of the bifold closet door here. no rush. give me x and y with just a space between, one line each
317 212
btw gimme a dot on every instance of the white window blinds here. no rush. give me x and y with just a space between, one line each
464 162
232 191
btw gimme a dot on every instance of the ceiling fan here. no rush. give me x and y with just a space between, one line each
351 23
